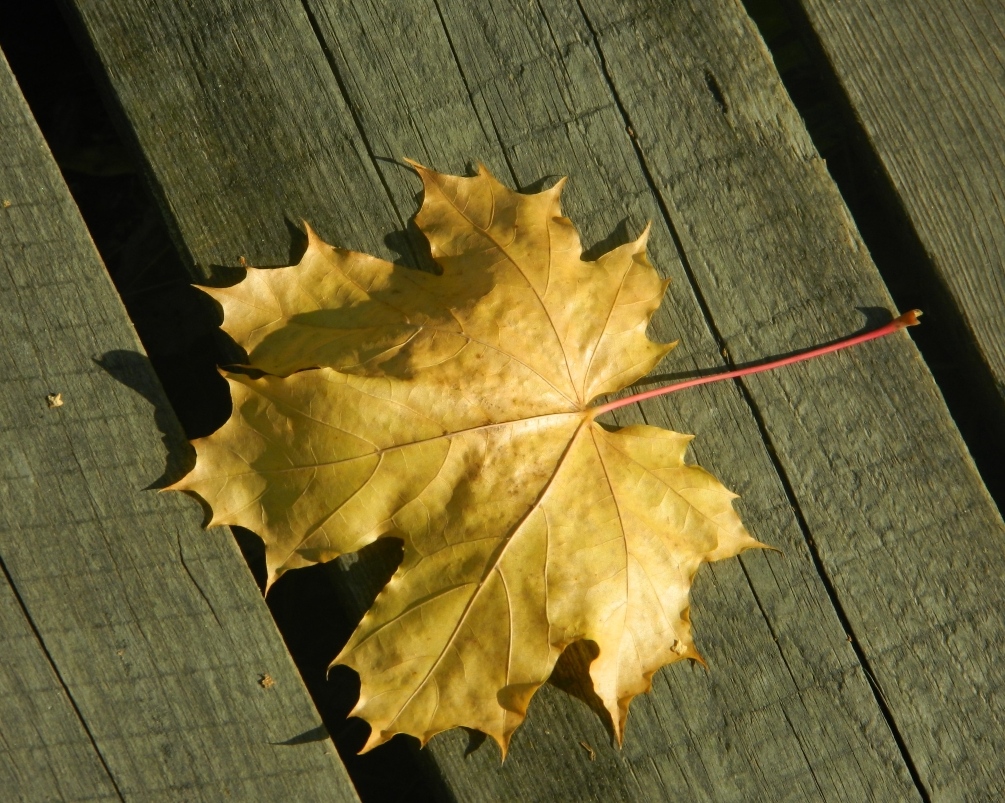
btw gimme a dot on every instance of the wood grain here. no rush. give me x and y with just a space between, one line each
907 535
928 85
130 622
547 759
271 111
539 106
45 751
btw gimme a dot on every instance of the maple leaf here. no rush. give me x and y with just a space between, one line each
454 412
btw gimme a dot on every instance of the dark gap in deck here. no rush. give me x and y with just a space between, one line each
179 330
954 359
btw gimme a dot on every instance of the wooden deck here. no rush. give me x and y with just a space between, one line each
862 663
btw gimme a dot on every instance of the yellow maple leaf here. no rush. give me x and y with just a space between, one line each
454 412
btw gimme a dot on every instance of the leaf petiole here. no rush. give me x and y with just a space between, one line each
898 323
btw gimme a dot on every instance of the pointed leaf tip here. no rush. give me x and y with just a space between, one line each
313 241
643 238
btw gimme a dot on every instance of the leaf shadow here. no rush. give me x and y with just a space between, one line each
619 236
222 276
318 734
875 317
541 184
409 245
572 675
134 370
298 241
316 612
475 740
411 249
229 275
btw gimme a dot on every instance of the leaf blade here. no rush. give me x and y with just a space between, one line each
452 412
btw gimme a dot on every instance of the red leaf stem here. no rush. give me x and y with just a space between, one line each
898 323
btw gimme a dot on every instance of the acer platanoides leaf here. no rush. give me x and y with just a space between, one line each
453 411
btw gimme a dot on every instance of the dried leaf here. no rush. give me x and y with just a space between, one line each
453 412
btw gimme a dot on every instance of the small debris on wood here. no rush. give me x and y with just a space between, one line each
266 681
243 262
7 204
54 400
590 750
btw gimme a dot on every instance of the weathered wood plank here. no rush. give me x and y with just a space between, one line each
45 753
156 629
527 97
796 719
45 750
908 537
249 127
927 83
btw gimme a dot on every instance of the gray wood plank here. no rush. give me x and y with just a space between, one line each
908 536
45 752
156 629
726 709
927 82
242 125
538 105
